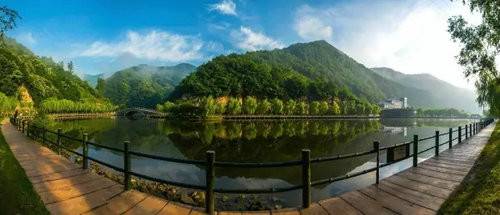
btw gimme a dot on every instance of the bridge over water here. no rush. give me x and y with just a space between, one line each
139 112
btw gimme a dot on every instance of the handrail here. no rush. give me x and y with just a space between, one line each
210 163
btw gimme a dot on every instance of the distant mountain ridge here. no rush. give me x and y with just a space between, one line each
447 94
144 85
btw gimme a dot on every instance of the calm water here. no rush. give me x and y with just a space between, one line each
256 141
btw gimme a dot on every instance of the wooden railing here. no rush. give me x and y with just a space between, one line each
210 163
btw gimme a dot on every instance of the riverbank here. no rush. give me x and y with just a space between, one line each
479 193
16 192
64 116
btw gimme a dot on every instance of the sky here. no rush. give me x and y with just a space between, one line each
102 36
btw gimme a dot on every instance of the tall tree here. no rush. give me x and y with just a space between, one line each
480 50
70 66
8 19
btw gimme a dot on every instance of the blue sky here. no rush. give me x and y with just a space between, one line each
103 36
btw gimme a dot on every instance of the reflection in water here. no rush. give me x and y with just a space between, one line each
260 141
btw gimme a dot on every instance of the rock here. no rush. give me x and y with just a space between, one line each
199 197
186 199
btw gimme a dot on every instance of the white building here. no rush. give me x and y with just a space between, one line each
394 103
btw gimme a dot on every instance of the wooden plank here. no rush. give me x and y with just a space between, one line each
448 166
434 159
59 175
364 204
338 206
446 184
58 195
440 169
84 203
421 199
174 208
150 205
121 203
436 174
394 203
419 186
314 209
65 182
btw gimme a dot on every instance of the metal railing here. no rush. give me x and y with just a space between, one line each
210 163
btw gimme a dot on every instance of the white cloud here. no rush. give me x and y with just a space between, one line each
154 45
227 7
247 39
26 38
310 25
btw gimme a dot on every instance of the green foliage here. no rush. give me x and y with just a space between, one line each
264 107
480 50
42 76
233 106
277 106
335 108
314 108
7 105
8 19
101 86
143 85
54 105
447 112
289 108
301 108
249 105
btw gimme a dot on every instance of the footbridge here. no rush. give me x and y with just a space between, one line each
136 112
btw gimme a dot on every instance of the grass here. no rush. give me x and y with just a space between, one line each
16 192
479 193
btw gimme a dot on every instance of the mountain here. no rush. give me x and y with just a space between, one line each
144 85
314 70
447 94
41 76
92 79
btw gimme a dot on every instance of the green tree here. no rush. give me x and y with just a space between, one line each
480 50
335 108
233 106
323 108
289 108
209 106
70 67
314 108
250 105
277 106
301 108
101 85
8 19
264 107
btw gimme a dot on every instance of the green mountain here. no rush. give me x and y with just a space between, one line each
314 70
144 85
43 77
447 94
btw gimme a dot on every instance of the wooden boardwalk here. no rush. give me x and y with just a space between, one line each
67 189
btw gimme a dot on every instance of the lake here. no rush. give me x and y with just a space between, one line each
257 141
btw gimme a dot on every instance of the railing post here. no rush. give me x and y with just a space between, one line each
306 178
22 128
210 183
58 141
376 147
459 134
466 132
436 148
28 129
415 150
126 166
450 137
470 128
85 151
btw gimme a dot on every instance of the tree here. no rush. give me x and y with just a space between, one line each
233 106
323 108
70 66
301 108
335 108
209 106
289 108
314 108
8 19
277 106
249 105
480 50
264 107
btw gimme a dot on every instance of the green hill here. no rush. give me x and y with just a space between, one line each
144 85
43 77
447 94
314 70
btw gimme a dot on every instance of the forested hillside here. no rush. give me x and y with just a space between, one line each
144 85
444 93
43 77
314 70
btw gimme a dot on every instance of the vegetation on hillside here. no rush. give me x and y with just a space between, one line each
481 50
143 85
16 192
446 112
7 105
310 71
208 106
53 105
479 193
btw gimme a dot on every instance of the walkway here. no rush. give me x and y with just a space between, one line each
67 189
